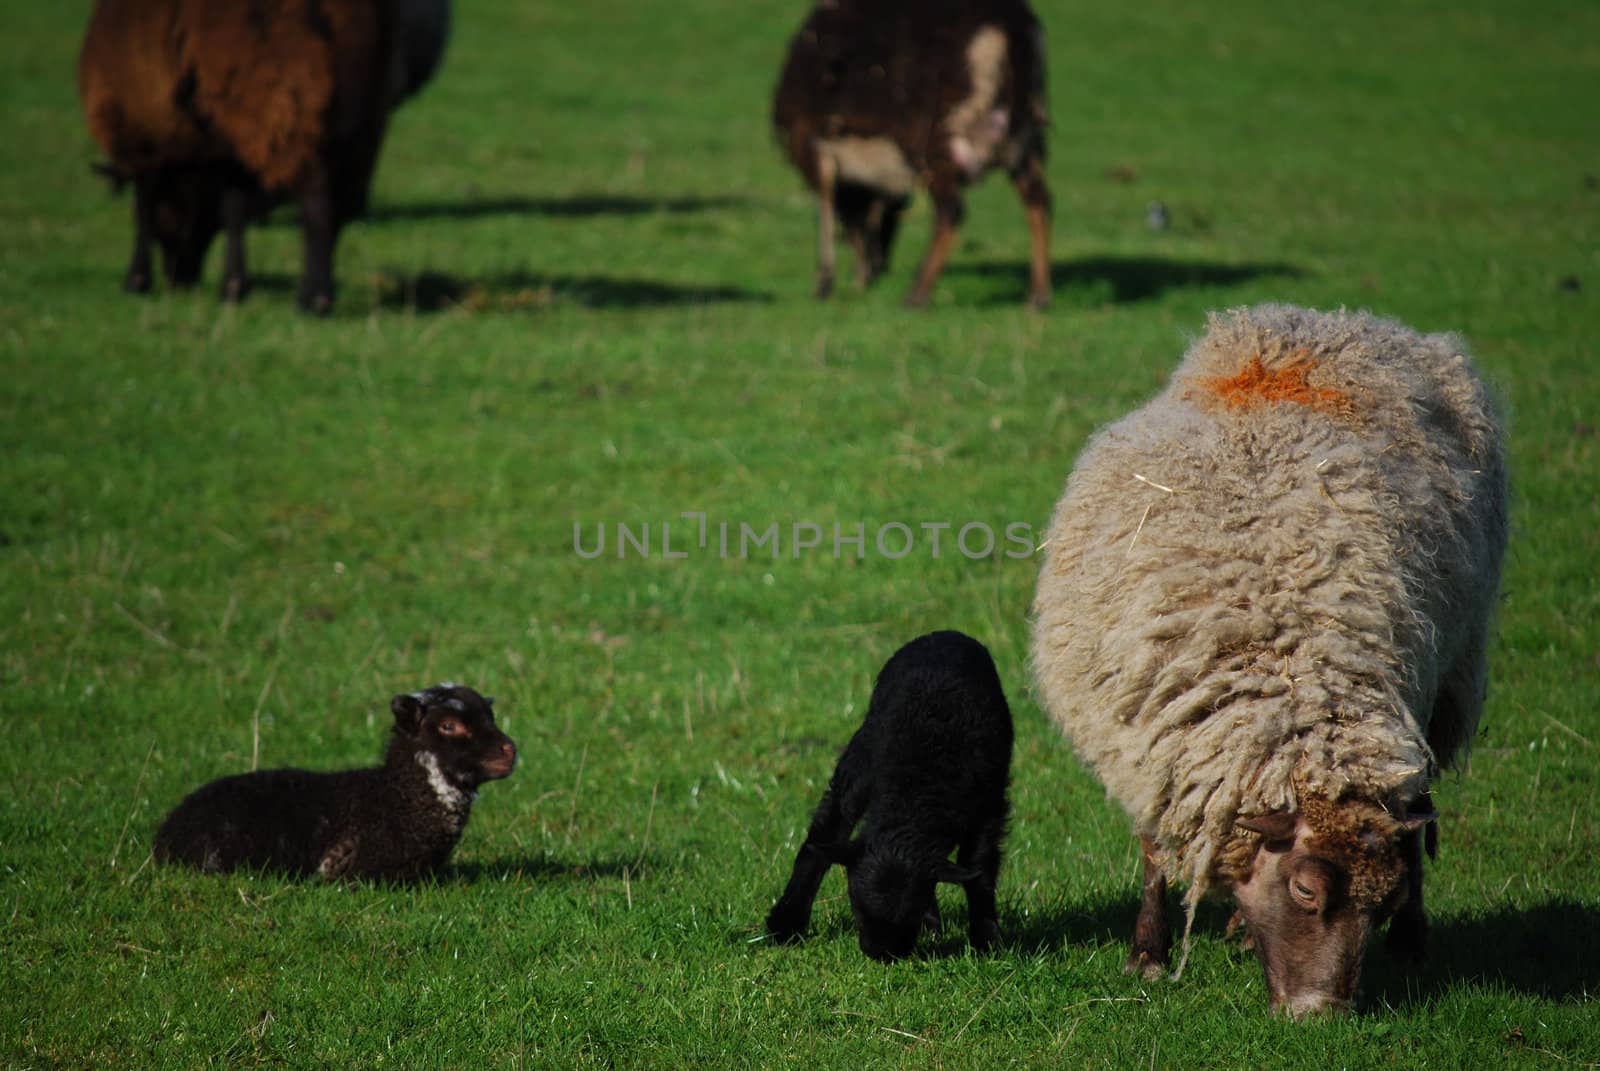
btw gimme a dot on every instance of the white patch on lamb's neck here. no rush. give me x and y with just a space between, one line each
453 798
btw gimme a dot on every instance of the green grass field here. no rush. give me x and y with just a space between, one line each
229 534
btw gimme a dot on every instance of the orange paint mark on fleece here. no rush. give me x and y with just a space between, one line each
1256 384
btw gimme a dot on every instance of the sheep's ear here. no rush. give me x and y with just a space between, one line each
1278 826
488 700
407 712
952 874
847 854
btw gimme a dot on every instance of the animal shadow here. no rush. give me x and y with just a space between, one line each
1119 280
1106 921
578 206
430 292
544 869
1551 950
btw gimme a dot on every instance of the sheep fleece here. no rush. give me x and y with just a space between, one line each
1276 578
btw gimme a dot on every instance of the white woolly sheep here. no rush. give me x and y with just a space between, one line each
1261 621
925 774
396 821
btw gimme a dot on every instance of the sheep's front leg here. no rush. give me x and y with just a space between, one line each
235 276
137 281
1407 939
826 175
982 854
948 211
1152 935
1035 195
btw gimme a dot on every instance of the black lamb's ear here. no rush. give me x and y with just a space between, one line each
488 700
407 712
952 874
847 854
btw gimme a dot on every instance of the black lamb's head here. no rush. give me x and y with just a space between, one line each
889 899
455 726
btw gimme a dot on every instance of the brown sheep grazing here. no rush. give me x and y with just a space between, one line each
877 96
214 112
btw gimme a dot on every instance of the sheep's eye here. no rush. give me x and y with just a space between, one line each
451 727
1303 892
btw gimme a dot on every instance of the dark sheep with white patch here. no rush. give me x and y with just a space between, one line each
215 112
880 96
397 821
925 774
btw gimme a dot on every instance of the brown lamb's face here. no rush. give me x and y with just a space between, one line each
455 726
1320 882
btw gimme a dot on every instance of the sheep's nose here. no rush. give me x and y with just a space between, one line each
508 749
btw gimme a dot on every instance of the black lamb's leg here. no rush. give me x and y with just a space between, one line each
982 853
1152 934
836 816
137 281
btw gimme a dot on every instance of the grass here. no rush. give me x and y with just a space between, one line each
229 535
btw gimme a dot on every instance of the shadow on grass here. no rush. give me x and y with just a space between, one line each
430 292
1122 279
546 869
1551 950
578 206
1108 921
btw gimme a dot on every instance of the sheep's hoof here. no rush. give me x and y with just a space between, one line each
917 299
984 936
1148 965
136 282
234 289
1039 300
315 302
824 287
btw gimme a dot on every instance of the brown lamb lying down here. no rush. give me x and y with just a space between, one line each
395 821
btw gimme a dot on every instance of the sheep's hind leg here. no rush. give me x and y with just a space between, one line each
1035 196
1152 934
948 211
235 276
981 853
320 228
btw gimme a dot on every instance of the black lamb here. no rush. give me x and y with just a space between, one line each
926 773
397 821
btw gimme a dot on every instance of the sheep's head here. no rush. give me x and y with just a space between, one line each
185 215
455 726
891 898
1321 880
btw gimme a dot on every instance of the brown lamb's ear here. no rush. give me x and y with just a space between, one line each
407 713
1277 826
